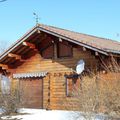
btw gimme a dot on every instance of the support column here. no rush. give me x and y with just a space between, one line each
55 51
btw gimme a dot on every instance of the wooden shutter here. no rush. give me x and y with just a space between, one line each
64 50
48 52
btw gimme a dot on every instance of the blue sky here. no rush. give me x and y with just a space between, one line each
96 17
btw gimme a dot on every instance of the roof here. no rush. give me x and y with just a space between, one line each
107 45
101 45
29 75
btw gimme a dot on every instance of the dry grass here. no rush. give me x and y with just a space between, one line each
99 93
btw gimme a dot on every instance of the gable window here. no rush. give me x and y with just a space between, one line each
47 53
5 84
64 49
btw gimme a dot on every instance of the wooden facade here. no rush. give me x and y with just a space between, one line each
53 58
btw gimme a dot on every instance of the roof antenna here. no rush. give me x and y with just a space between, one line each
37 18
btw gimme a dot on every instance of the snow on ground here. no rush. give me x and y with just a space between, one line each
41 114
38 114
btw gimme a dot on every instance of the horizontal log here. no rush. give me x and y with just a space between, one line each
4 67
59 90
62 63
30 45
17 57
59 94
29 69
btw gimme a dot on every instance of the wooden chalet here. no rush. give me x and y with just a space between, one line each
43 61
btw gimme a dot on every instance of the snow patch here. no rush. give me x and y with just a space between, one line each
41 114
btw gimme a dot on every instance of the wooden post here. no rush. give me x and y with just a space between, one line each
96 53
55 50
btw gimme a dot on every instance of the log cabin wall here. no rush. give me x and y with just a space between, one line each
37 63
54 84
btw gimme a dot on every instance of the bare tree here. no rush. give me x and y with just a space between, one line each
9 97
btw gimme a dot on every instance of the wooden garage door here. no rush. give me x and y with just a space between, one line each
31 90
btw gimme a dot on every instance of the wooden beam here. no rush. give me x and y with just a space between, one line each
84 49
52 41
38 31
115 55
60 40
96 53
21 50
55 51
17 57
30 45
4 67
76 42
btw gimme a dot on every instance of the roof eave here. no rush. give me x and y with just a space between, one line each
113 51
18 42
34 29
74 41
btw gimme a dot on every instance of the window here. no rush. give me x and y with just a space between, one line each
5 84
72 85
64 49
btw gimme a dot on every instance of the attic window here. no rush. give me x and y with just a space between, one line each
64 49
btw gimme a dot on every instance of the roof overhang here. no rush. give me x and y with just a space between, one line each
73 41
18 42
112 51
36 28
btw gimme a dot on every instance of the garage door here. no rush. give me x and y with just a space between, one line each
31 92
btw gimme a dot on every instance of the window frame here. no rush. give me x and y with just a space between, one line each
74 78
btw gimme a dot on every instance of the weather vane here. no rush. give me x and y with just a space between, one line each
37 18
